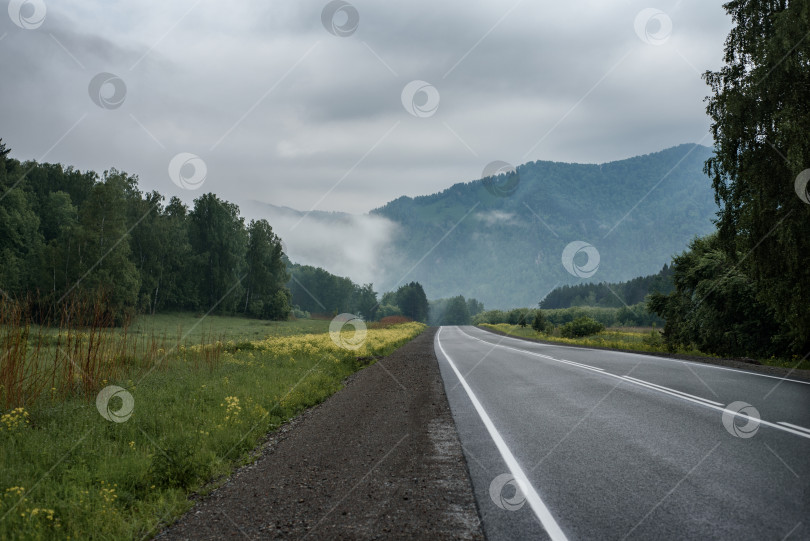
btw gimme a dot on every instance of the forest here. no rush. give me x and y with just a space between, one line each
505 251
610 295
69 234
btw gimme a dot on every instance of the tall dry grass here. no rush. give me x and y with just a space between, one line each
76 350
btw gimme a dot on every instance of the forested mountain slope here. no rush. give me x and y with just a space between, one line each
503 241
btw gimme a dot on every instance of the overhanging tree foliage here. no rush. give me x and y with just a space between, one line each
760 109
714 306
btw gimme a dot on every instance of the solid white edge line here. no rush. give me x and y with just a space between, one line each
701 401
535 502
797 427
662 387
654 357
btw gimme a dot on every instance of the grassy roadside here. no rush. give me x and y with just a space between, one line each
631 339
68 473
222 327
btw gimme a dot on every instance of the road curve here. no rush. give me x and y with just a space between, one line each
613 445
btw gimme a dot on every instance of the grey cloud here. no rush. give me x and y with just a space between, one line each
213 66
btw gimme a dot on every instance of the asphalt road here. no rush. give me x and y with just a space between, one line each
573 443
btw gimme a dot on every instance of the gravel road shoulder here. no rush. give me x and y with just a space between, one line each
379 459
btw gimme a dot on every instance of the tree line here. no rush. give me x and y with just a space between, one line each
610 295
635 315
317 291
67 234
454 310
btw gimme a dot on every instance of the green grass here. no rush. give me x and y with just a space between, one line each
68 473
195 328
38 358
634 339
639 339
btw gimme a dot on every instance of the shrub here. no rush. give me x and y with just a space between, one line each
654 339
178 465
386 310
519 316
492 317
581 326
300 314
539 322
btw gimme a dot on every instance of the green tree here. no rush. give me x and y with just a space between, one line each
413 302
177 285
389 298
60 225
266 274
761 117
519 316
474 307
316 290
456 312
150 245
20 240
102 255
386 310
539 322
364 301
714 306
217 235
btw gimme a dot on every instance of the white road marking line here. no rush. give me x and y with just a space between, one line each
797 427
683 396
653 357
674 390
589 367
535 502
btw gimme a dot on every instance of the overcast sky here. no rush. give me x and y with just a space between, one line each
281 109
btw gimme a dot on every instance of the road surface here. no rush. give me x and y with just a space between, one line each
574 443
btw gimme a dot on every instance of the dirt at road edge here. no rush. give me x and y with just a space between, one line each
379 459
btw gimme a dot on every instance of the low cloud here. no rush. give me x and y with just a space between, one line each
344 244
496 217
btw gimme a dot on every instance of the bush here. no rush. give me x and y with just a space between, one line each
561 316
654 339
300 314
492 317
386 310
178 465
539 323
519 316
582 326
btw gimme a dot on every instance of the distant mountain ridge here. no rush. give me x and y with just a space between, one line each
504 244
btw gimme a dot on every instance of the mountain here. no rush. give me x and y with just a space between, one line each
501 240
